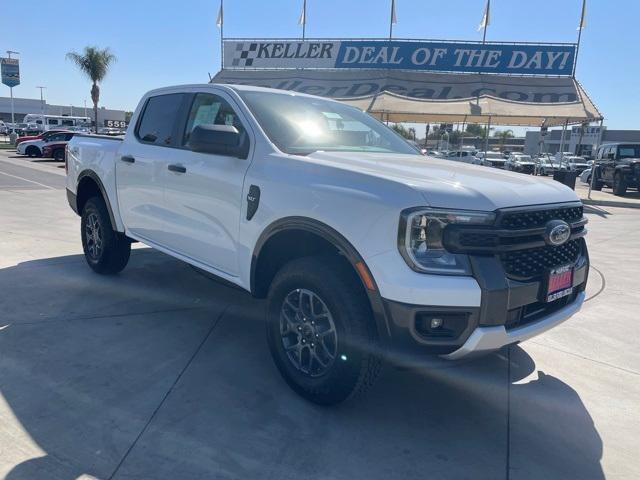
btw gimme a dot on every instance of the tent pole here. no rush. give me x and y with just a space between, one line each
486 137
564 130
464 122
593 165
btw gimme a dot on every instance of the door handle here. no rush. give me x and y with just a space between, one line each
128 159
177 168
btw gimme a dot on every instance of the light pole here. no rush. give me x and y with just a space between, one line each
13 118
85 107
41 100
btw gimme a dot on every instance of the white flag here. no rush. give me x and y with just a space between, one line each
583 17
220 19
303 15
485 17
394 18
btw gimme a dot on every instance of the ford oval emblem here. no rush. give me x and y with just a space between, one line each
557 232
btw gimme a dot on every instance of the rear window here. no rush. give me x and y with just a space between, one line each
158 119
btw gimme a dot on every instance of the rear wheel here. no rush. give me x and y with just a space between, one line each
105 250
619 185
58 155
320 330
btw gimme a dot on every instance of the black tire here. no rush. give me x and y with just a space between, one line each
356 361
597 186
105 250
619 185
58 155
32 151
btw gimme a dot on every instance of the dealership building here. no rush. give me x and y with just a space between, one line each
583 142
23 106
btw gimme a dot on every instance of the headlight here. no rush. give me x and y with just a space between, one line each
420 239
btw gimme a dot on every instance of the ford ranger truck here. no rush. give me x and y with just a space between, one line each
364 249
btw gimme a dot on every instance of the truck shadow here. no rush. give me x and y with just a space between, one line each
162 373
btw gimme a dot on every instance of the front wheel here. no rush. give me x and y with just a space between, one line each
32 151
105 250
320 330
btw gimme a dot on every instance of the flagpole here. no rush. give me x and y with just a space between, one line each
575 60
393 9
221 34
486 22
304 19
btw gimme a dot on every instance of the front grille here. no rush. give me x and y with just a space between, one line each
533 262
538 218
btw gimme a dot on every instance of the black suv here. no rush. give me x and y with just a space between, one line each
618 166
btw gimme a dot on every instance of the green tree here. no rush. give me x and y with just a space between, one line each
94 63
503 135
476 130
399 128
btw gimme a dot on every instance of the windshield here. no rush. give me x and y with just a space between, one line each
495 156
301 125
629 151
522 158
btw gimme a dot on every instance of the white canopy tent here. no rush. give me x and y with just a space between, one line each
427 97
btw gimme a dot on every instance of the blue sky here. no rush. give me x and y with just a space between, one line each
162 42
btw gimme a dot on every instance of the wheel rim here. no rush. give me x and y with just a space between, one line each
308 332
93 236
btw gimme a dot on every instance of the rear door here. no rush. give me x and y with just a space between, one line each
141 163
203 192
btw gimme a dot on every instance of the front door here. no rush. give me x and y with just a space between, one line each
203 192
140 165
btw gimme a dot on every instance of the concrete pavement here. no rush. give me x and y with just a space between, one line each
162 373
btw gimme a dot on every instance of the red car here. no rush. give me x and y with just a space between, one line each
42 136
55 150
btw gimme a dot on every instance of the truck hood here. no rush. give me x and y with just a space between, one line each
450 184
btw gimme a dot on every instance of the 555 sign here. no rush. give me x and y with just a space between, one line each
435 56
10 69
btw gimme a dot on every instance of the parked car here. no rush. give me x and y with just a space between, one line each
585 176
618 166
518 162
547 165
331 216
574 163
465 156
491 159
3 128
55 150
33 148
41 136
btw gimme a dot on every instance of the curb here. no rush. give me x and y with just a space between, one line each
610 203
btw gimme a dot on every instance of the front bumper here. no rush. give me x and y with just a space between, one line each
510 311
488 339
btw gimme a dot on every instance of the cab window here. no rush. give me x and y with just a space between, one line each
209 109
156 125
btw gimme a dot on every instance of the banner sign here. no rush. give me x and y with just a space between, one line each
10 68
432 56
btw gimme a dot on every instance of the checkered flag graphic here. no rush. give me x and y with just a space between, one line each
245 53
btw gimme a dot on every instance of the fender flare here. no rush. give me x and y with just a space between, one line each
94 176
344 247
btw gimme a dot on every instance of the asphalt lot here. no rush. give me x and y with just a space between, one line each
162 373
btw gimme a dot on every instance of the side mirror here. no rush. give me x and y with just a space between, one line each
219 140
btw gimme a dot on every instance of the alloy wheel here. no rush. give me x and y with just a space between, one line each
308 332
93 236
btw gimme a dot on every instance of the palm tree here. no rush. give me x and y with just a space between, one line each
503 135
94 63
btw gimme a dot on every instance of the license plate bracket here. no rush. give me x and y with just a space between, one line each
559 283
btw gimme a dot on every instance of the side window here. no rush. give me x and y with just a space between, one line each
67 123
158 119
56 138
52 121
209 109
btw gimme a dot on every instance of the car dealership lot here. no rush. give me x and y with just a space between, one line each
163 373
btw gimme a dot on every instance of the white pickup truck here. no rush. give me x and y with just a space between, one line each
364 249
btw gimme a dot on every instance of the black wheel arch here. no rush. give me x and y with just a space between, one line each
89 184
343 247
